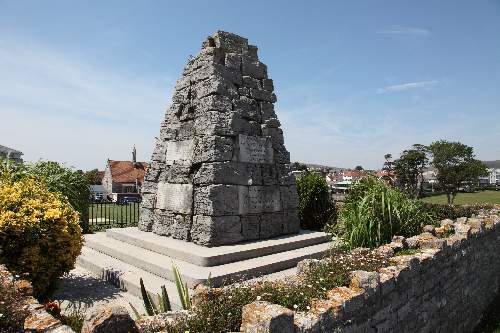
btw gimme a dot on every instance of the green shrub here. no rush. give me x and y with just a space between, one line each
443 211
39 233
373 213
58 178
316 208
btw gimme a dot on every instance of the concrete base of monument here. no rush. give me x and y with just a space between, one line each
123 256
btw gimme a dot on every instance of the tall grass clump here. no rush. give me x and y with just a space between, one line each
315 207
374 212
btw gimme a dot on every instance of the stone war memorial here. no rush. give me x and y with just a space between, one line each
220 172
219 197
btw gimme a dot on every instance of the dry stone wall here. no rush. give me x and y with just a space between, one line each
444 287
219 173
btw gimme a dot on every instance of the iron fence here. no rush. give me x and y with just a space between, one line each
113 215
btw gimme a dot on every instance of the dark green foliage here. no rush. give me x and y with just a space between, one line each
316 208
164 300
148 302
409 168
456 164
441 212
373 213
92 177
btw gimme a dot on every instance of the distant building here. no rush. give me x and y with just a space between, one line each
11 154
493 178
124 177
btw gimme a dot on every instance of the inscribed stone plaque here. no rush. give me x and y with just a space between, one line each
177 198
179 151
255 149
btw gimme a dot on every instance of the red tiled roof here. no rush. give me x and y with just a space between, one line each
127 172
100 174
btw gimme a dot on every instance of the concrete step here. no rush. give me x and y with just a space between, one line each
161 265
215 256
125 276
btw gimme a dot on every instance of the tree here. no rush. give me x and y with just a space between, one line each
456 164
358 168
409 168
93 177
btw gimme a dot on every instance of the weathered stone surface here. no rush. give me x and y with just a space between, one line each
216 230
219 171
255 149
216 200
176 198
109 319
265 317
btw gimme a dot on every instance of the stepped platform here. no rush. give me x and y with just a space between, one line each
123 256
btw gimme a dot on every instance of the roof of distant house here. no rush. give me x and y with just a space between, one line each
127 171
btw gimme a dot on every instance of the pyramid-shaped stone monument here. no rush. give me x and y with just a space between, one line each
219 173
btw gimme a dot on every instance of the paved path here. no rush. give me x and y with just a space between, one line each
81 289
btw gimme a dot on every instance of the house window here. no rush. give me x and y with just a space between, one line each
129 189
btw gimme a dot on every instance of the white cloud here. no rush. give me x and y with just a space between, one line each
408 86
405 31
57 107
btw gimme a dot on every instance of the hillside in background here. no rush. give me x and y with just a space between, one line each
493 164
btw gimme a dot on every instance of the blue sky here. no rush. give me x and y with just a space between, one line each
81 82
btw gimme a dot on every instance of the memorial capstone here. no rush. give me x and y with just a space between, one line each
219 172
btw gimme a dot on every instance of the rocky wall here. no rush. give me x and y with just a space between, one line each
443 287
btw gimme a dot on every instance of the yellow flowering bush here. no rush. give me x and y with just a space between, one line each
39 233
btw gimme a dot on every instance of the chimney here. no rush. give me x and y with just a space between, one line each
134 155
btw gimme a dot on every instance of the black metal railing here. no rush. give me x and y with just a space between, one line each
113 215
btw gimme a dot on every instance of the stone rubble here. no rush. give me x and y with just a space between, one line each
219 172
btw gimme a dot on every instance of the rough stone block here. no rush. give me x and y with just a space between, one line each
265 317
271 199
250 227
255 149
146 219
216 230
291 222
271 225
289 197
267 84
109 319
250 82
269 174
253 68
181 226
230 42
177 173
281 155
162 222
247 108
177 198
213 103
263 95
267 110
233 61
251 199
213 148
216 200
229 173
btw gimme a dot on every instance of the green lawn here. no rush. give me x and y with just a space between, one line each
492 197
112 215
